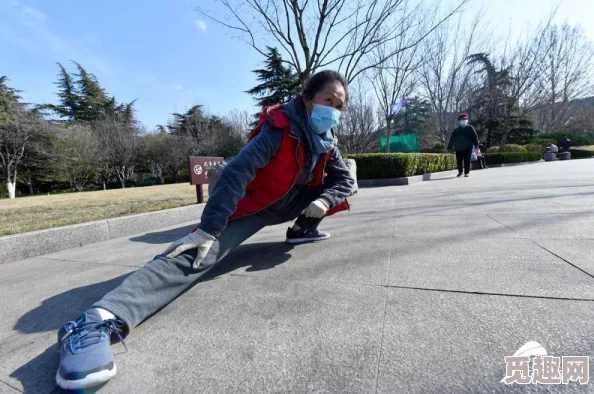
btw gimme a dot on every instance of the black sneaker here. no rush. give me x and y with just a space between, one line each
305 236
86 359
465 175
459 175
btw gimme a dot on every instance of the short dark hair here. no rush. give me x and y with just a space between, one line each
319 80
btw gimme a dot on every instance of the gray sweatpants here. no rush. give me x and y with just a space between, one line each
158 282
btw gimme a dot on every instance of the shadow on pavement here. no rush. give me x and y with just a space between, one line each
55 311
37 375
158 237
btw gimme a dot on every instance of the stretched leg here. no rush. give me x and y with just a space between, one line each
459 161
85 357
161 280
466 158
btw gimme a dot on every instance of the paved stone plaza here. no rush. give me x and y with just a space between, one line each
421 289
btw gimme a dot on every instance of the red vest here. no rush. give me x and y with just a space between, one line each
282 172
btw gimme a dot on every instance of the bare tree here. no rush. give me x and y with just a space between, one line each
567 74
396 76
18 130
120 142
445 75
160 154
239 122
358 128
524 65
319 33
76 152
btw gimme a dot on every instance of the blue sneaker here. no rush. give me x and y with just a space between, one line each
85 356
304 236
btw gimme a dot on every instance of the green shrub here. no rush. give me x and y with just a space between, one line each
535 147
507 148
397 165
542 141
512 157
581 153
576 139
148 182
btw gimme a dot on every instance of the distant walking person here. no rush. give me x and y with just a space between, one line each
463 140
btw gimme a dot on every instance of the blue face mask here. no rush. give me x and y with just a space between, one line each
463 123
323 118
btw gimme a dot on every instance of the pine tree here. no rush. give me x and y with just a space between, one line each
9 99
69 106
278 82
82 99
190 123
93 99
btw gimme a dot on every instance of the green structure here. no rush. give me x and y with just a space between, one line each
401 143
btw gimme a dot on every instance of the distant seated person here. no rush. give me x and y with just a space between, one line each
552 148
566 144
479 157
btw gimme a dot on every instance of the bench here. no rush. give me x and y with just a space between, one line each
552 156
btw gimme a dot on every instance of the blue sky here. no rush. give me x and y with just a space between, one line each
164 53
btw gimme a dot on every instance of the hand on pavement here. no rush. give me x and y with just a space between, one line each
196 240
317 209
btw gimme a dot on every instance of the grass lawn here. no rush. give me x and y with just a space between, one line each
589 147
40 212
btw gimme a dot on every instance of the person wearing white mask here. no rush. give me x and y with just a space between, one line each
290 169
463 140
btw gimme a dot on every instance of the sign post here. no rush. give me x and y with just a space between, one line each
199 167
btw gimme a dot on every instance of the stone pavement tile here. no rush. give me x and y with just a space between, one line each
460 209
485 265
37 296
526 201
579 252
580 201
349 226
344 225
6 389
548 226
242 334
120 251
337 260
134 251
449 228
437 342
520 204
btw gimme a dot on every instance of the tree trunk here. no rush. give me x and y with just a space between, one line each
11 187
103 185
121 172
11 182
31 190
489 133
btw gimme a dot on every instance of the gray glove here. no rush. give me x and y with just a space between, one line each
196 240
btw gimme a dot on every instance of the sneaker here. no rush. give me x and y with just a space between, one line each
459 175
305 236
465 175
85 356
